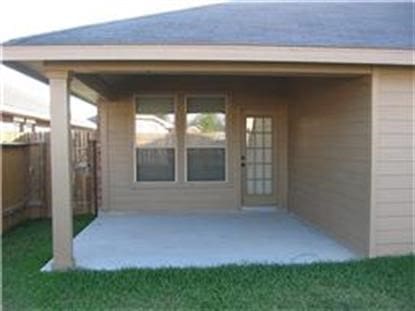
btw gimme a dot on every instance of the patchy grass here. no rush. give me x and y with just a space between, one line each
383 283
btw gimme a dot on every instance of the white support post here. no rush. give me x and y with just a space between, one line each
60 148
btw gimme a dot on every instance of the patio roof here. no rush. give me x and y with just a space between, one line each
345 25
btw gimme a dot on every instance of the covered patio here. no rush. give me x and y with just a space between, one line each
174 190
157 214
130 240
195 125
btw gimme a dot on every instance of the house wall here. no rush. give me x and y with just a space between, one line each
333 180
393 214
329 157
121 193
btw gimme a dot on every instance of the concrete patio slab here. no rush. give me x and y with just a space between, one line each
116 241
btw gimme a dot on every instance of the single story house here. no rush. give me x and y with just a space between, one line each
304 106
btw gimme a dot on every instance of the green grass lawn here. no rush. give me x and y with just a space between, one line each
384 283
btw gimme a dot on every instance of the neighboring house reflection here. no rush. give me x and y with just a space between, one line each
153 131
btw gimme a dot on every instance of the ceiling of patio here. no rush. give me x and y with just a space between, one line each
113 86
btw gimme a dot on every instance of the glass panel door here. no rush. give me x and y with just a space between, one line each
257 161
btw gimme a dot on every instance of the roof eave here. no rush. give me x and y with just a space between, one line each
78 89
240 53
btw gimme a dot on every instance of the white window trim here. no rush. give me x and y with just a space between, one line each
176 147
226 98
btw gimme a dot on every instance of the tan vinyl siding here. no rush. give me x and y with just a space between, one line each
393 172
329 157
124 194
117 118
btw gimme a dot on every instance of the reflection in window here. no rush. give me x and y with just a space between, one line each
155 139
206 138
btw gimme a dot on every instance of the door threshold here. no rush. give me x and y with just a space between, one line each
260 208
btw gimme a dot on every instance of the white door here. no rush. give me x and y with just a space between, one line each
258 159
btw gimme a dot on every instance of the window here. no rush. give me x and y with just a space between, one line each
155 139
206 138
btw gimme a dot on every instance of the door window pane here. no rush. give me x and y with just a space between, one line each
259 140
259 172
250 155
206 138
259 125
268 171
267 156
267 125
259 187
259 156
267 187
251 187
250 171
267 140
155 139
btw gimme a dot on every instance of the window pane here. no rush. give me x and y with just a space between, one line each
206 138
205 122
154 122
155 164
205 164
155 139
211 104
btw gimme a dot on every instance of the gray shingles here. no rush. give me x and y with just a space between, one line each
364 25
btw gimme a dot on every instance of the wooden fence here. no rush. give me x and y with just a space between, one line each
26 185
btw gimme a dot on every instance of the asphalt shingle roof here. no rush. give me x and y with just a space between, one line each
359 25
